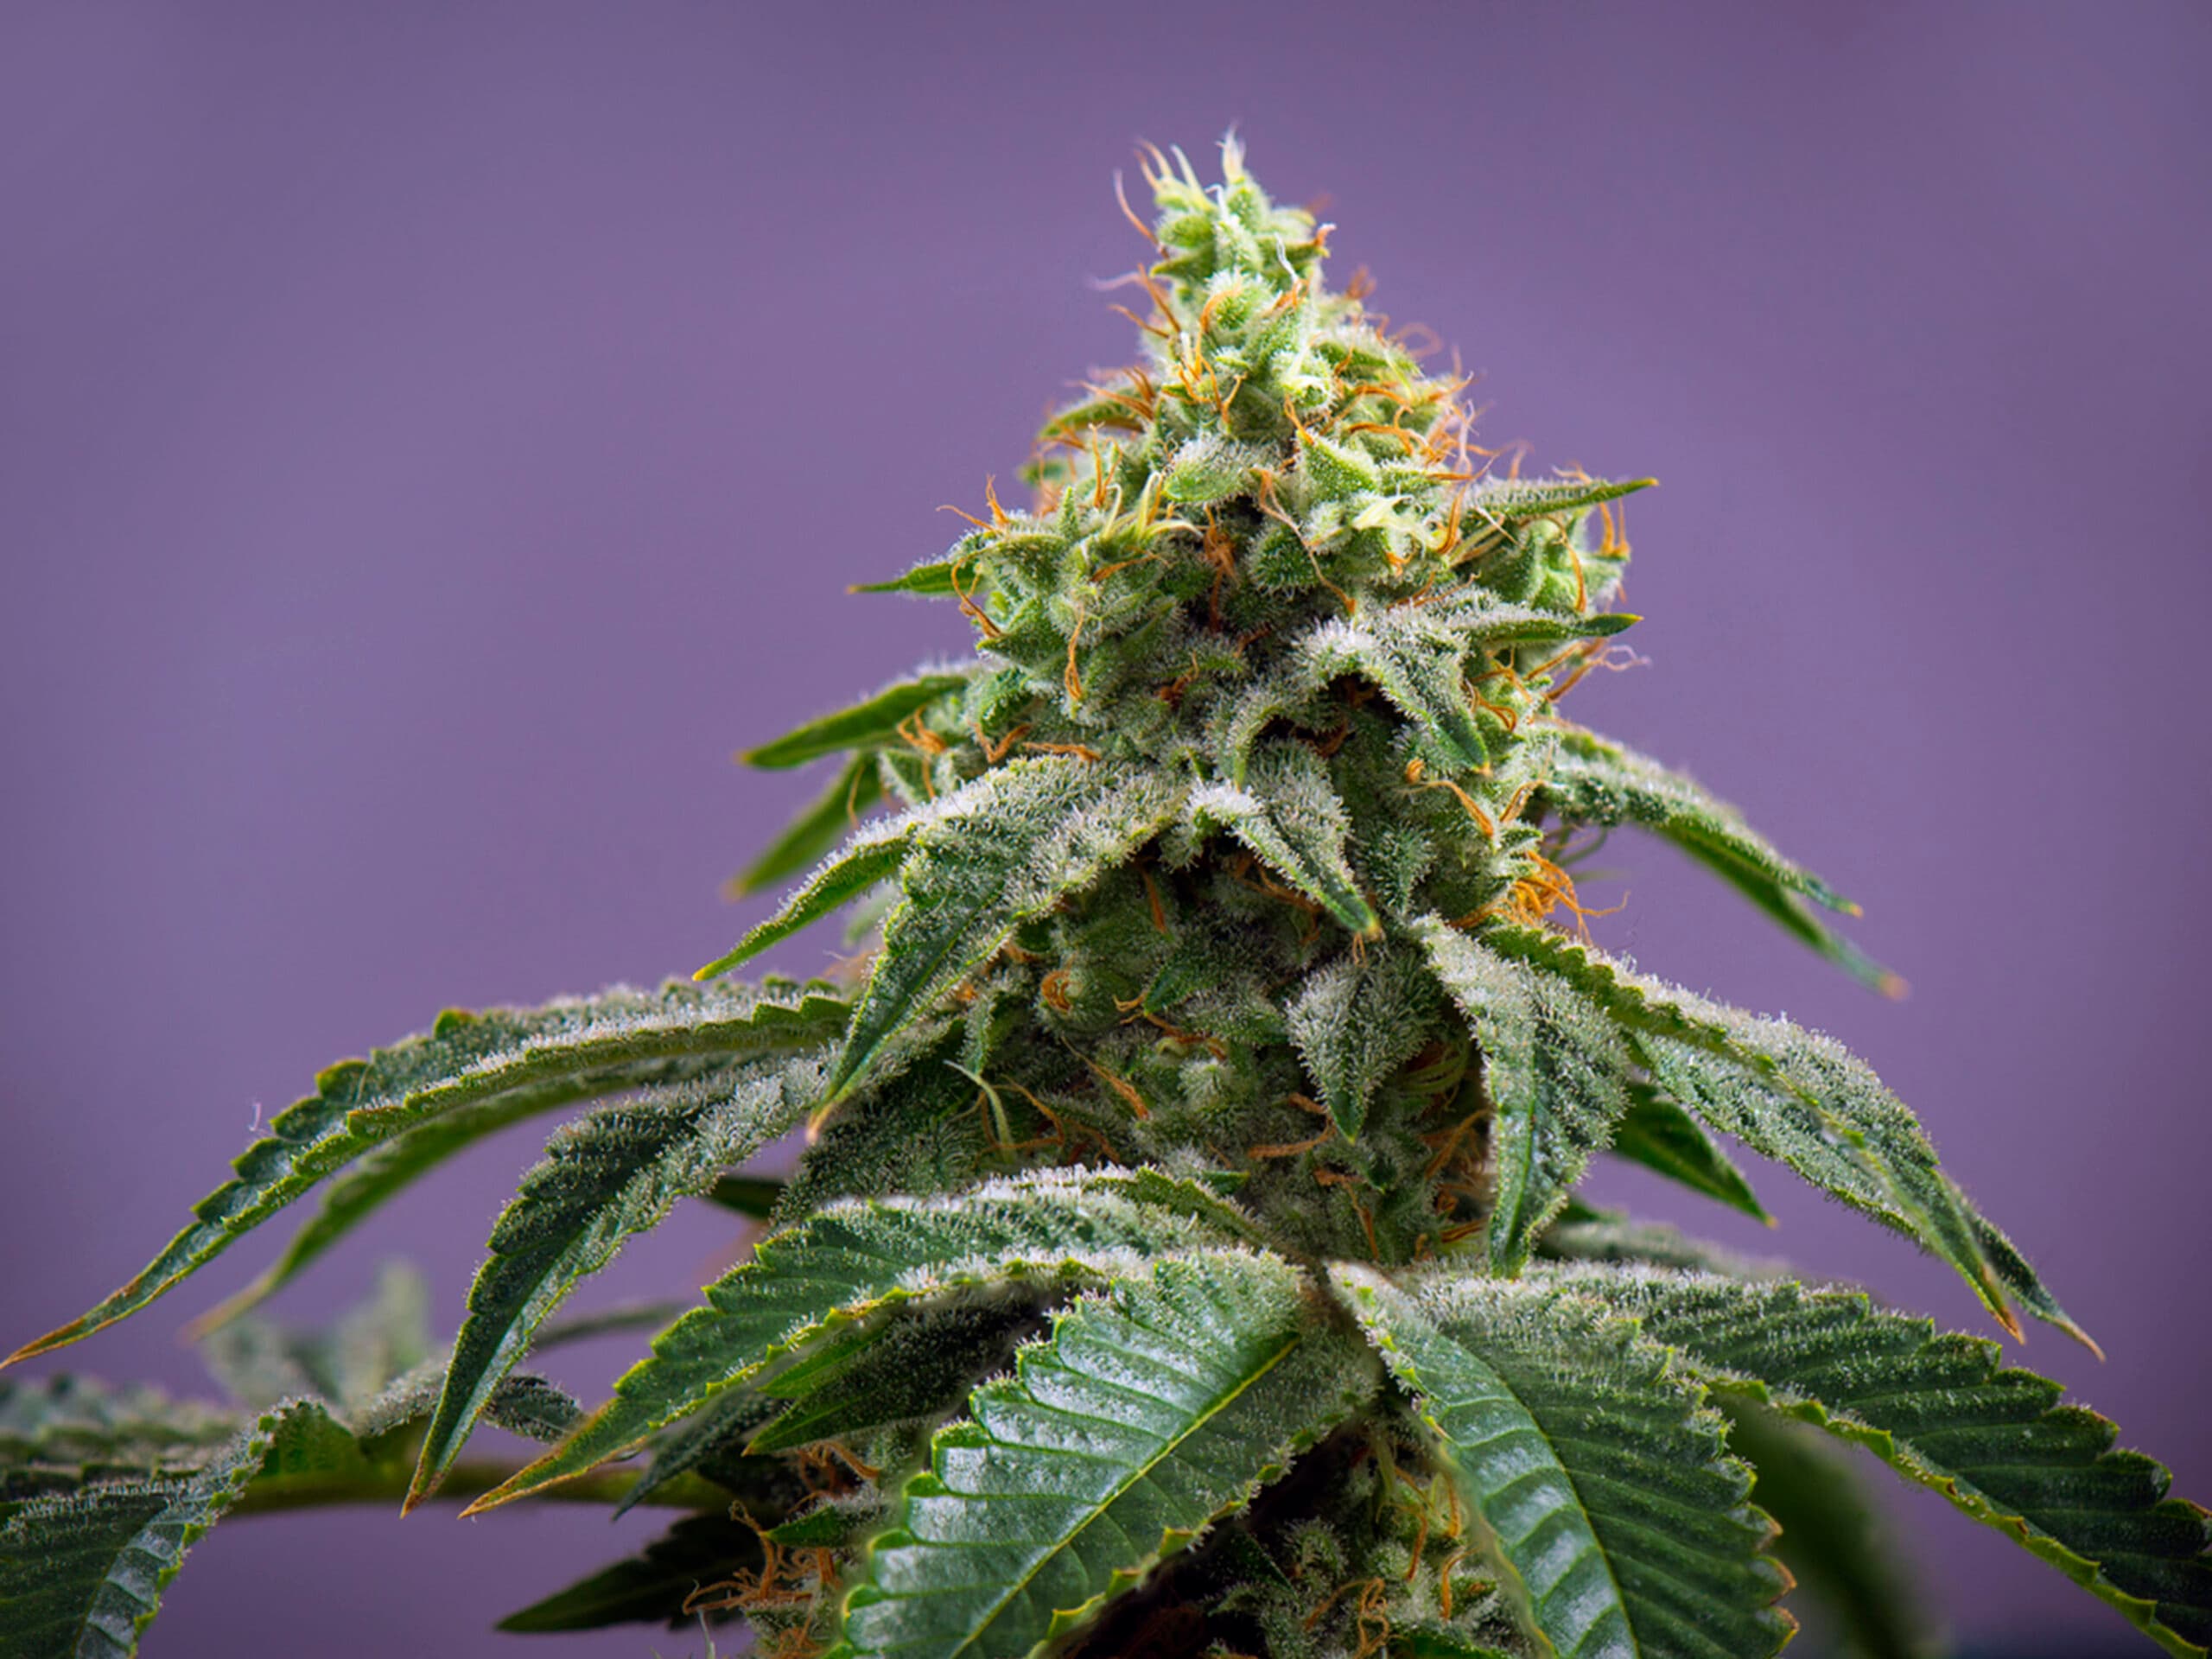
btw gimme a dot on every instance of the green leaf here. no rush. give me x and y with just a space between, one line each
1557 1072
871 855
60 1433
1287 814
1421 670
919 1132
1152 1411
857 787
712 1445
1594 780
864 726
1514 500
1798 1098
521 1403
1619 1526
754 1197
1478 617
1355 1021
931 579
1662 1137
1942 1411
920 1366
1438 1644
1000 850
341 1431
82 1573
1585 1235
1834 1541
856 1259
612 1174
1417 656
259 1363
651 1586
569 1050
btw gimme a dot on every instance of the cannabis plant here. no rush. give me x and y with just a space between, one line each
1184 1256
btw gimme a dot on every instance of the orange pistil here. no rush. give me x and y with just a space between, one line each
1073 679
919 736
793 1578
995 752
1120 1086
1081 751
1416 774
1265 501
1532 899
1053 988
1152 899
1293 1148
1129 213
969 608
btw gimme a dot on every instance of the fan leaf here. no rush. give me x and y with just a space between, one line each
1835 1542
1594 780
1944 1412
1619 1526
613 1173
1514 500
871 855
1287 813
1795 1096
1152 1411
1422 674
932 579
1355 1021
60 1432
855 1259
921 1367
651 1586
1663 1138
570 1050
838 808
82 1573
1002 849
1557 1070
864 726
1416 657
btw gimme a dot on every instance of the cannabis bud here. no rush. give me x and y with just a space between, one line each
1184 1258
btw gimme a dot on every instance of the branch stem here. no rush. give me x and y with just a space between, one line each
465 1481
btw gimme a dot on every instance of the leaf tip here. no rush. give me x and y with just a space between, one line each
1893 986
2081 1337
61 1337
716 969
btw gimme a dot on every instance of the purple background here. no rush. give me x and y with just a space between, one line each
432 437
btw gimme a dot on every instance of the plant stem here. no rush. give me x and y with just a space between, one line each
463 1481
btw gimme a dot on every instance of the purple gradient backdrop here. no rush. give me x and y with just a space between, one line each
431 438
